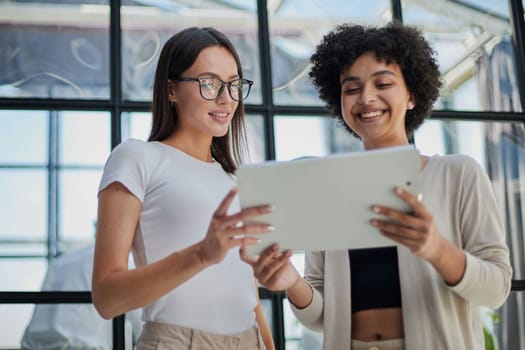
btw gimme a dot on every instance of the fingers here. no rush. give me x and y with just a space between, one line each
246 214
222 209
415 201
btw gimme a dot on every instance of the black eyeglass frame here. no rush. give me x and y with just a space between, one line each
227 83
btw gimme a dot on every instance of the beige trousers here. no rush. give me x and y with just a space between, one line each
160 336
394 344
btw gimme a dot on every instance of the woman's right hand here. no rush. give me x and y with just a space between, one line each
273 269
228 231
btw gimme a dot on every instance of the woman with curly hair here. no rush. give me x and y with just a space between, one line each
451 259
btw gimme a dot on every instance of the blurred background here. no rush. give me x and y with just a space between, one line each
76 80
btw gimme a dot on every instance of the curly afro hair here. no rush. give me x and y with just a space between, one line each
395 42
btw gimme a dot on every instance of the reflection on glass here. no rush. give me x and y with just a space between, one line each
84 138
24 210
297 136
23 137
145 28
474 51
294 35
55 50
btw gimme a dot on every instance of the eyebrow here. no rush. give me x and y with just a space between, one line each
375 74
214 75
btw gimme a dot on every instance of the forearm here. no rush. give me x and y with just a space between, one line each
264 329
450 263
300 294
126 290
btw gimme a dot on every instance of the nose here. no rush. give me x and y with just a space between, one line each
368 94
224 94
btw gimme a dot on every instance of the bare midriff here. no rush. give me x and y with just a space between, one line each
377 324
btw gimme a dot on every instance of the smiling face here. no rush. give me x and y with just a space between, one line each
199 118
374 101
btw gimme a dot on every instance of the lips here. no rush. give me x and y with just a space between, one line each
221 117
371 114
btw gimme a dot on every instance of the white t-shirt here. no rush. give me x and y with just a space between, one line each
179 195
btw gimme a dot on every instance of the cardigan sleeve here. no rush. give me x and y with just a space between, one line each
311 316
488 274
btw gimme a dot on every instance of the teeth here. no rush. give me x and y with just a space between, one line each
371 114
220 115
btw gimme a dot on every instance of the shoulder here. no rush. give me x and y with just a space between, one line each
130 146
134 151
455 163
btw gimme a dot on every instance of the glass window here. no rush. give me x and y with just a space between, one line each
33 270
306 136
474 50
145 29
84 138
55 49
295 34
136 125
83 147
13 326
25 217
255 136
78 206
23 137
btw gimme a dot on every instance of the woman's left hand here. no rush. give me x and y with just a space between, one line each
416 230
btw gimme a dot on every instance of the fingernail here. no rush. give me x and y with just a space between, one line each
374 222
271 228
375 209
399 190
420 197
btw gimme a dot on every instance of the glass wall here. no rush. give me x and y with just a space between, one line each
76 80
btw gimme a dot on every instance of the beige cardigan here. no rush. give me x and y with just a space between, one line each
435 315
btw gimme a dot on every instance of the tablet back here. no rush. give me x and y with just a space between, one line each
324 203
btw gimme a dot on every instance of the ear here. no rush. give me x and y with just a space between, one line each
172 97
411 102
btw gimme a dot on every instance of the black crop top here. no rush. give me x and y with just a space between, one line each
375 278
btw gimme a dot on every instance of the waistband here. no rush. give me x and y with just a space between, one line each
178 337
393 344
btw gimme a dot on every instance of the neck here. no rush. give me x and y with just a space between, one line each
199 149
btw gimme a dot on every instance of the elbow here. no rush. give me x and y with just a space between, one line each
102 306
501 298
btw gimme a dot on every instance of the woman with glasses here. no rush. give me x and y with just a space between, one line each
172 202
451 258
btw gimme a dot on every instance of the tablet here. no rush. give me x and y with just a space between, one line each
325 203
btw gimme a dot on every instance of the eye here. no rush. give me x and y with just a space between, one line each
383 85
211 84
236 84
351 90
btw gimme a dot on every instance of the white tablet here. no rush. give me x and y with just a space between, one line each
324 203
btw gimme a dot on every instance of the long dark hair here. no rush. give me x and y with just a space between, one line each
177 55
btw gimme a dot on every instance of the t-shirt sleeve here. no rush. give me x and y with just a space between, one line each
127 164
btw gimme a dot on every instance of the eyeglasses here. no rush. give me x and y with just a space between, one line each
211 88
